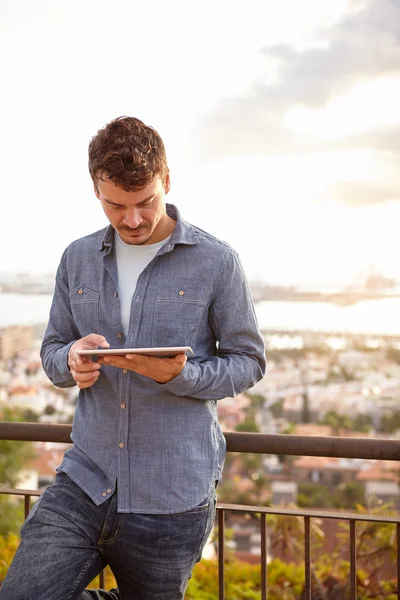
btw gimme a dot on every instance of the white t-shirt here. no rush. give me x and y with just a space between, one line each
131 261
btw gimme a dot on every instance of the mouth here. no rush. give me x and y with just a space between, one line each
134 232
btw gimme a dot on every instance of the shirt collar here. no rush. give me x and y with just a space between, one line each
184 232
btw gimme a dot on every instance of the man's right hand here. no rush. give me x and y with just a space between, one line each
83 370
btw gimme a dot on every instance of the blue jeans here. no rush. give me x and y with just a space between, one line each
67 540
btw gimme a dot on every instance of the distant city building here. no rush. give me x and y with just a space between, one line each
284 492
382 492
15 339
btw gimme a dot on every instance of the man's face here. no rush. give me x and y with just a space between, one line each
139 217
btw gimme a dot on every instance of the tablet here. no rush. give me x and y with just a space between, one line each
160 352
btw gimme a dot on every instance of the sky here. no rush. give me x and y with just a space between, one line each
281 122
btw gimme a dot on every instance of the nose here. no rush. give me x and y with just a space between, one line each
132 217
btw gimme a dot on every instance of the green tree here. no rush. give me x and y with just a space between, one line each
390 422
257 401
337 422
30 416
348 495
13 458
393 354
362 423
277 409
248 425
305 412
314 495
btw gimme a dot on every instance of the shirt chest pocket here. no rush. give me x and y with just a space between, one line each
85 309
177 316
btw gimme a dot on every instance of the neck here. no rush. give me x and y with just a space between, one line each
167 226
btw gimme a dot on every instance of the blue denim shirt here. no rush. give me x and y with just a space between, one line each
162 443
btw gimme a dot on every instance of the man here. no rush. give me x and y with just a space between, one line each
137 488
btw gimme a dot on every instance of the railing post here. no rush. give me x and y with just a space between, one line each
221 554
102 580
398 559
27 502
264 587
353 575
307 558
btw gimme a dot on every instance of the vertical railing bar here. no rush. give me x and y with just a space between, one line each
398 559
101 578
221 554
264 588
353 581
27 501
307 558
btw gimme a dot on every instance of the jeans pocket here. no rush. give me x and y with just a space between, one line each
203 507
212 507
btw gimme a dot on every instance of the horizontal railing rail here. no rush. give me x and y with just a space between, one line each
255 443
307 515
280 444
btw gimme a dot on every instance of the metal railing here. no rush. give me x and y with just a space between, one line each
290 445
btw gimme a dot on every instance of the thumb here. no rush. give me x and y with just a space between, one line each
96 340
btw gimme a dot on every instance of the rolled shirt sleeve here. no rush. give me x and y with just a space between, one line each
60 333
241 361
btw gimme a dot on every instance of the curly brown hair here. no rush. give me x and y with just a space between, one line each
128 153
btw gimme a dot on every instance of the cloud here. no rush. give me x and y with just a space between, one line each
357 193
363 45
385 138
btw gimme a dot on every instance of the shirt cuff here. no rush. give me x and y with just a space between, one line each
182 384
62 364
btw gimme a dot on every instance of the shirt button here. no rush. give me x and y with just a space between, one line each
119 335
121 445
104 494
116 294
124 371
181 293
109 491
80 291
123 405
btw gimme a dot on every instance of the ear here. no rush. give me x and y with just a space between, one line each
96 191
167 183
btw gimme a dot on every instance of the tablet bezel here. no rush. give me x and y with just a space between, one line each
159 352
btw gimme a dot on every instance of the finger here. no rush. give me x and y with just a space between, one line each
82 377
86 384
114 361
181 359
139 359
84 367
178 360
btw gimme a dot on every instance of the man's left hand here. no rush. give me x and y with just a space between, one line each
161 370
